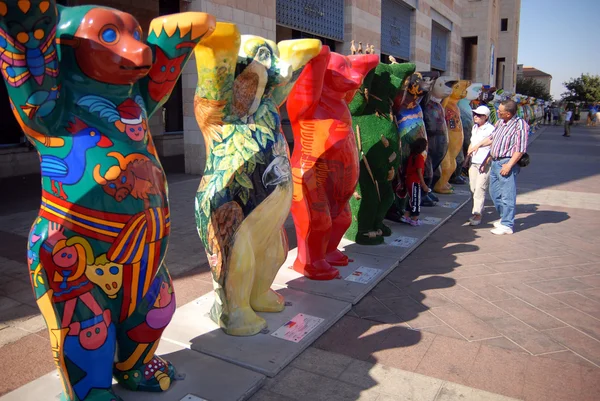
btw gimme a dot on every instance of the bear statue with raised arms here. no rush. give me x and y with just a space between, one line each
245 194
83 85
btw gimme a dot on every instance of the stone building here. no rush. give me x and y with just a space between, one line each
435 34
533 73
491 41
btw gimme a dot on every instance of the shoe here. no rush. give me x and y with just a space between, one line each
502 230
415 223
405 220
433 197
474 222
497 223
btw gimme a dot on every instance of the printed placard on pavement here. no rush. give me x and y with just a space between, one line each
297 328
363 275
432 221
404 242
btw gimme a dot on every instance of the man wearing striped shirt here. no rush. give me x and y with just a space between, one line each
508 143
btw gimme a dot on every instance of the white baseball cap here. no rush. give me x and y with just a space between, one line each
482 110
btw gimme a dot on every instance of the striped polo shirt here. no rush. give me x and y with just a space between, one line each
509 138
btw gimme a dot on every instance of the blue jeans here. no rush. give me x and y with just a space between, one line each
503 191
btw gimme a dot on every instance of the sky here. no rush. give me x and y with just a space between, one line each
561 38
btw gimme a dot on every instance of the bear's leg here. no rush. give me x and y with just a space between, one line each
270 248
236 317
137 367
366 211
65 345
339 225
387 199
313 228
448 166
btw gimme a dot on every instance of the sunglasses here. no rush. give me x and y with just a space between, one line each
478 115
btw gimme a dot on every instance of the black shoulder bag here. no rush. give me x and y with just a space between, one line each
524 160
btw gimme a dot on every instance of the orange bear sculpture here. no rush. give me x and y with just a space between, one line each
325 163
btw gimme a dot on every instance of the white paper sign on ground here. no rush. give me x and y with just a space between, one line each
191 397
462 192
404 242
432 221
297 328
363 275
449 205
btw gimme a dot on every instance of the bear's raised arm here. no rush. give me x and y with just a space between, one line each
307 91
297 53
172 39
29 64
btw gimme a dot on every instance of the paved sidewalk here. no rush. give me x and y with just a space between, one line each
467 312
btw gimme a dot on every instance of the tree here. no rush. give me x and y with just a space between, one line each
532 87
586 88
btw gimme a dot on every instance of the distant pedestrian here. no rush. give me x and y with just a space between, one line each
508 143
568 123
576 115
555 114
415 181
591 118
479 171
548 115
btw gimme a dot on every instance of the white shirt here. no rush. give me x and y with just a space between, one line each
478 134
568 116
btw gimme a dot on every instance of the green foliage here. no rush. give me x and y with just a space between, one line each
532 87
585 88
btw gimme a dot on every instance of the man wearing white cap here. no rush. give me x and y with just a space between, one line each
479 172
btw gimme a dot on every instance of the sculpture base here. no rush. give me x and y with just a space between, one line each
263 353
205 377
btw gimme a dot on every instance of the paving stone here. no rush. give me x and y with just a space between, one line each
322 362
502 342
560 285
474 304
457 392
499 371
411 312
488 292
391 381
385 289
533 297
580 343
579 320
449 359
528 314
469 326
568 356
593 293
593 280
370 306
444 330
580 302
399 353
553 376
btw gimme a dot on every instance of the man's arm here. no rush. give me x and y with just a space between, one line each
486 142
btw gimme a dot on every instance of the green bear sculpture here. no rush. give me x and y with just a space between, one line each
378 144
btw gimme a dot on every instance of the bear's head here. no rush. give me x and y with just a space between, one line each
345 74
442 88
473 91
107 43
459 89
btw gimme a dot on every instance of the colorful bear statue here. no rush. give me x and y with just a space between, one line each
83 91
325 163
378 144
455 135
434 117
245 194
411 126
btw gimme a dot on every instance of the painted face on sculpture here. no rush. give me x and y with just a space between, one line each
442 87
473 91
108 276
255 49
459 89
108 46
66 257
136 132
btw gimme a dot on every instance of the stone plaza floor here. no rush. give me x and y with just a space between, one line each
467 316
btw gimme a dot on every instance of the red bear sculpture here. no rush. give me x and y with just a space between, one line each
325 158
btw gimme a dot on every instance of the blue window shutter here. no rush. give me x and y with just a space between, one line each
323 18
439 47
395 29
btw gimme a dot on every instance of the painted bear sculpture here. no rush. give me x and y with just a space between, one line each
378 144
411 126
245 194
455 135
325 159
434 117
82 86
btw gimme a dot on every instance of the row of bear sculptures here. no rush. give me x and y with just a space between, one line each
83 84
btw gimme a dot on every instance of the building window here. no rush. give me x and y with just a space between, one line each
439 46
396 29
504 24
